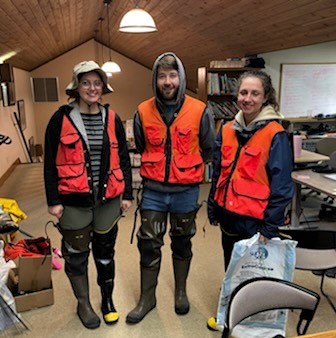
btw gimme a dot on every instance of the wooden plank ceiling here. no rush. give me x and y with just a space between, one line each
197 30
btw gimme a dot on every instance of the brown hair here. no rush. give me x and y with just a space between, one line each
266 81
168 62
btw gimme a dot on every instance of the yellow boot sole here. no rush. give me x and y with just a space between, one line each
111 318
212 324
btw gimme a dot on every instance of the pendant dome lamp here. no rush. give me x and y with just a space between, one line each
137 20
109 67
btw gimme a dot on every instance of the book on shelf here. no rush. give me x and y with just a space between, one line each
221 84
223 110
232 84
252 61
228 63
214 87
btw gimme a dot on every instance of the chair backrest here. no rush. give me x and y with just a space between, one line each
313 238
314 259
265 293
332 161
316 249
326 145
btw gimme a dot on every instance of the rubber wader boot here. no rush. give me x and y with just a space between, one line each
181 270
103 254
85 312
110 314
147 300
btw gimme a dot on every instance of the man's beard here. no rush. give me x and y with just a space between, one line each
171 96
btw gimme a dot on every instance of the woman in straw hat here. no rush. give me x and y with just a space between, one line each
88 185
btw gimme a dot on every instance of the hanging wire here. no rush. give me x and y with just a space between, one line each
101 38
97 48
107 4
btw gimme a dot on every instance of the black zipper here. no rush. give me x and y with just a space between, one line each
168 154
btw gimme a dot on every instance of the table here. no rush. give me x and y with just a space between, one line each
314 181
310 157
305 158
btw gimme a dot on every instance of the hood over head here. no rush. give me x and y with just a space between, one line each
267 113
182 77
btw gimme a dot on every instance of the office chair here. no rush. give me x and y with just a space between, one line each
315 251
332 161
265 293
326 146
328 207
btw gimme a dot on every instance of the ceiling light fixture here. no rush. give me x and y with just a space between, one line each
6 56
110 66
137 20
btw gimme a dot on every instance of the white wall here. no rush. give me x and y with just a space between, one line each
320 53
11 152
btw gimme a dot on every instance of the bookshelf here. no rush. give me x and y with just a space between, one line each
135 159
216 87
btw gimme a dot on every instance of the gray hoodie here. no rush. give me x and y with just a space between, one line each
182 77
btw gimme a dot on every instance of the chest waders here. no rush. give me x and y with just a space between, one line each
183 228
76 250
103 254
150 240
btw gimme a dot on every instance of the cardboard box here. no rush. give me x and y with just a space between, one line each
29 300
34 300
34 273
30 282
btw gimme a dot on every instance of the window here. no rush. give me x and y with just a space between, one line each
45 89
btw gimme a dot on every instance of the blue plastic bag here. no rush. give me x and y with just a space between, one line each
251 258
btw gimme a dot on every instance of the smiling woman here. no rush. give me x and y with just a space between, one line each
250 186
88 183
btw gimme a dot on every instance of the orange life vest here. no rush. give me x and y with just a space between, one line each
182 163
243 186
72 165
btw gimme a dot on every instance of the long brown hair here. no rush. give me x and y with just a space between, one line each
266 81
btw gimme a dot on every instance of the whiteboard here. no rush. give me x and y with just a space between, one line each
308 89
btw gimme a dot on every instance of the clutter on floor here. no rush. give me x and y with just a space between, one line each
25 268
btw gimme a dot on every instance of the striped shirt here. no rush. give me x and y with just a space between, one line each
94 129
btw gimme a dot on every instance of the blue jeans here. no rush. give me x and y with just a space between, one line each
174 202
155 206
